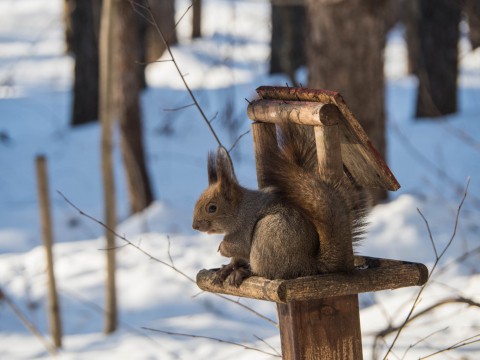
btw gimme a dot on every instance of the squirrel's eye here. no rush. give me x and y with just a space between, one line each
211 208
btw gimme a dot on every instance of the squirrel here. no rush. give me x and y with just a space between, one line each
298 225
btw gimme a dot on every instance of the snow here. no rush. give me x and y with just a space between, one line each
432 159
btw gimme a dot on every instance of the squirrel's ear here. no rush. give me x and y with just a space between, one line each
225 170
212 168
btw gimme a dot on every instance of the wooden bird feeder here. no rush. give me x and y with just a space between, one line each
319 315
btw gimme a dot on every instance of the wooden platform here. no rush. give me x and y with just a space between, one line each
371 274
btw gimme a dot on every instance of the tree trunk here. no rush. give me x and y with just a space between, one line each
437 26
83 42
197 19
287 42
163 13
107 117
67 22
128 107
345 54
472 10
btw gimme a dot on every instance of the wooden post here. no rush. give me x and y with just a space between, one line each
46 221
107 120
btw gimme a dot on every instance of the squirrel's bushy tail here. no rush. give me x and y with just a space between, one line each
293 172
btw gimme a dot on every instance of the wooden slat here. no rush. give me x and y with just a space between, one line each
381 274
278 111
360 157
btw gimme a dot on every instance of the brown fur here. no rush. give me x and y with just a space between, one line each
298 226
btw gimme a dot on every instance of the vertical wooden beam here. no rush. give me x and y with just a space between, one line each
264 138
327 138
47 235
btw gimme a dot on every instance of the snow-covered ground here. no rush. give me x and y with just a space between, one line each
432 160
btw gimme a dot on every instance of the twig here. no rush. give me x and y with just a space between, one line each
154 23
180 107
28 324
246 347
456 300
95 307
266 343
430 236
438 258
457 345
168 252
424 160
128 242
422 340
459 259
238 139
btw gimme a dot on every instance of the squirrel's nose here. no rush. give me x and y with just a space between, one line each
196 225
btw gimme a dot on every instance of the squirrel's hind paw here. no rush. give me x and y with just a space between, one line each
234 273
222 273
238 275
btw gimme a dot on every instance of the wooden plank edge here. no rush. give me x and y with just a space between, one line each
299 112
254 287
391 275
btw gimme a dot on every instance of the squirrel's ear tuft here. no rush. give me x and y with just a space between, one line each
225 172
212 168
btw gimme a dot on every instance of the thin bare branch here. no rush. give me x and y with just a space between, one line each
429 233
457 345
246 347
213 117
152 62
422 340
266 343
459 259
238 139
247 308
180 107
456 219
168 251
169 50
161 261
438 258
425 161
456 300
28 324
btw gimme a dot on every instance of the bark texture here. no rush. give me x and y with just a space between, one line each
345 54
434 35
163 13
472 10
288 39
197 19
128 108
82 39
